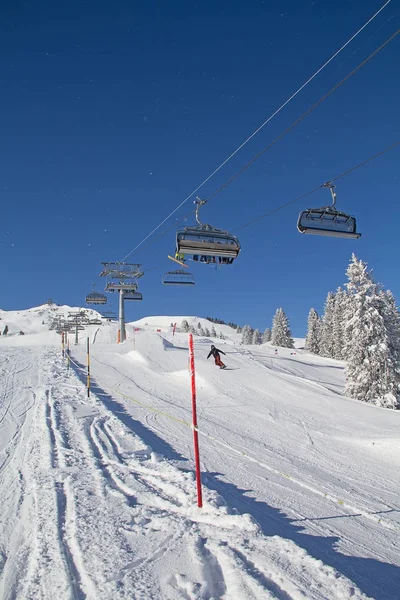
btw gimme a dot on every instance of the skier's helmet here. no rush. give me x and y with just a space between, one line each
212 347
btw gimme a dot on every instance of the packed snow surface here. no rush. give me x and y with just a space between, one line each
98 494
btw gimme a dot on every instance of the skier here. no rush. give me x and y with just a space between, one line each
216 354
5 331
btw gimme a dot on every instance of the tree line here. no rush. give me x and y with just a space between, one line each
199 330
279 334
361 325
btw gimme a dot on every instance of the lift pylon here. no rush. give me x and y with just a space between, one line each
123 278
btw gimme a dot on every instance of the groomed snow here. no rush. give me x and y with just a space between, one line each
98 497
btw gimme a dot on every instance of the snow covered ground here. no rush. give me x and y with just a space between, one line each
98 496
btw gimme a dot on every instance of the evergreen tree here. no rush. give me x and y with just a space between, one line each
266 336
213 332
185 326
326 348
340 316
221 336
372 371
193 330
391 318
247 334
256 338
207 332
313 338
199 329
281 334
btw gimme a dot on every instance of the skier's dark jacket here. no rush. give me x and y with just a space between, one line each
215 352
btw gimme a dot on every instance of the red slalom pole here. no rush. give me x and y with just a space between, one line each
194 422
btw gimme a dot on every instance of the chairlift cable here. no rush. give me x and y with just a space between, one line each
278 110
358 166
305 114
364 162
161 235
151 269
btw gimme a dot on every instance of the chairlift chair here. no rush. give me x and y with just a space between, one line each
204 243
133 295
327 220
178 278
95 298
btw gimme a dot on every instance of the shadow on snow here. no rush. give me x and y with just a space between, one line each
157 444
377 579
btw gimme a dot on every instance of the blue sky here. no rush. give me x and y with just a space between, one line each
112 113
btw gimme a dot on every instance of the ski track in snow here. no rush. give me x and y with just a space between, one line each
98 495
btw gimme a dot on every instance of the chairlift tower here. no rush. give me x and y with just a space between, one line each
76 320
123 278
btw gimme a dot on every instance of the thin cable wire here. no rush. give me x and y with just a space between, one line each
287 130
361 164
303 116
358 166
258 129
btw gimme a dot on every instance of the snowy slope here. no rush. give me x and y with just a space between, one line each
98 496
164 323
35 323
37 319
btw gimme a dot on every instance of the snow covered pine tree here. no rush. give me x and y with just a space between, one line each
313 338
326 345
372 343
340 317
247 335
281 334
266 335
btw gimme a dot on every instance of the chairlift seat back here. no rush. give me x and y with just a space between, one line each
178 278
132 295
206 241
319 221
116 286
96 298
